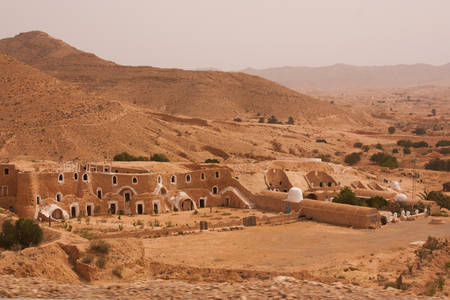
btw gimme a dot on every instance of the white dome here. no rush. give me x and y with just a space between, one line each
295 195
396 186
400 197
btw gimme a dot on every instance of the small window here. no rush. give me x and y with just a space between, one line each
321 184
60 178
85 177
58 197
329 183
217 174
114 180
202 176
202 203
106 170
188 178
75 176
173 179
99 193
38 200
6 171
4 191
134 180
159 179
215 190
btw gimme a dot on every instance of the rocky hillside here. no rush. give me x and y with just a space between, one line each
205 94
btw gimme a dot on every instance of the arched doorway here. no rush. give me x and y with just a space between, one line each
187 204
57 214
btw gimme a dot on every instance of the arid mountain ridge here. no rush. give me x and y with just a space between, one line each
59 102
205 94
342 76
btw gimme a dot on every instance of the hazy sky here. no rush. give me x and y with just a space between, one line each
235 34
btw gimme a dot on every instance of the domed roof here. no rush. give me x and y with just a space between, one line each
400 197
295 194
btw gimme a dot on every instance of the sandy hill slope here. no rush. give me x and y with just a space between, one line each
205 94
44 118
342 76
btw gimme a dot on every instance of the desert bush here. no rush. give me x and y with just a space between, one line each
404 143
125 156
352 158
391 130
325 157
212 161
379 146
437 196
99 246
378 202
443 143
346 196
406 151
444 151
237 120
395 150
159 157
365 148
357 145
421 144
321 141
419 131
384 160
273 120
290 121
438 164
25 233
261 120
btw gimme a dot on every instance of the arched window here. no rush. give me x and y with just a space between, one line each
114 180
99 193
60 178
202 176
217 174
159 179
59 197
75 176
215 190
134 180
38 200
188 178
85 177
173 179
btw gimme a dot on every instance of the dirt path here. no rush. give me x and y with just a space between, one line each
292 247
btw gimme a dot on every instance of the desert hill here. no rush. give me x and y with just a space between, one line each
204 94
341 76
44 118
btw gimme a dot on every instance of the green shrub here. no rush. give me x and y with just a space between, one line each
404 143
357 145
237 120
290 121
352 158
384 160
391 130
212 161
99 246
321 141
395 150
438 164
379 146
159 157
421 144
25 233
346 196
406 151
443 143
378 202
419 131
444 151
125 156
365 148
273 120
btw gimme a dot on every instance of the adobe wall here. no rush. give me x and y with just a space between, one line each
276 179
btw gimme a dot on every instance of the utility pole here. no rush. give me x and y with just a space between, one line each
414 179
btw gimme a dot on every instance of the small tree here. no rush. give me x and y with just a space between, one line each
391 130
290 121
159 157
272 120
346 196
352 158
25 233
